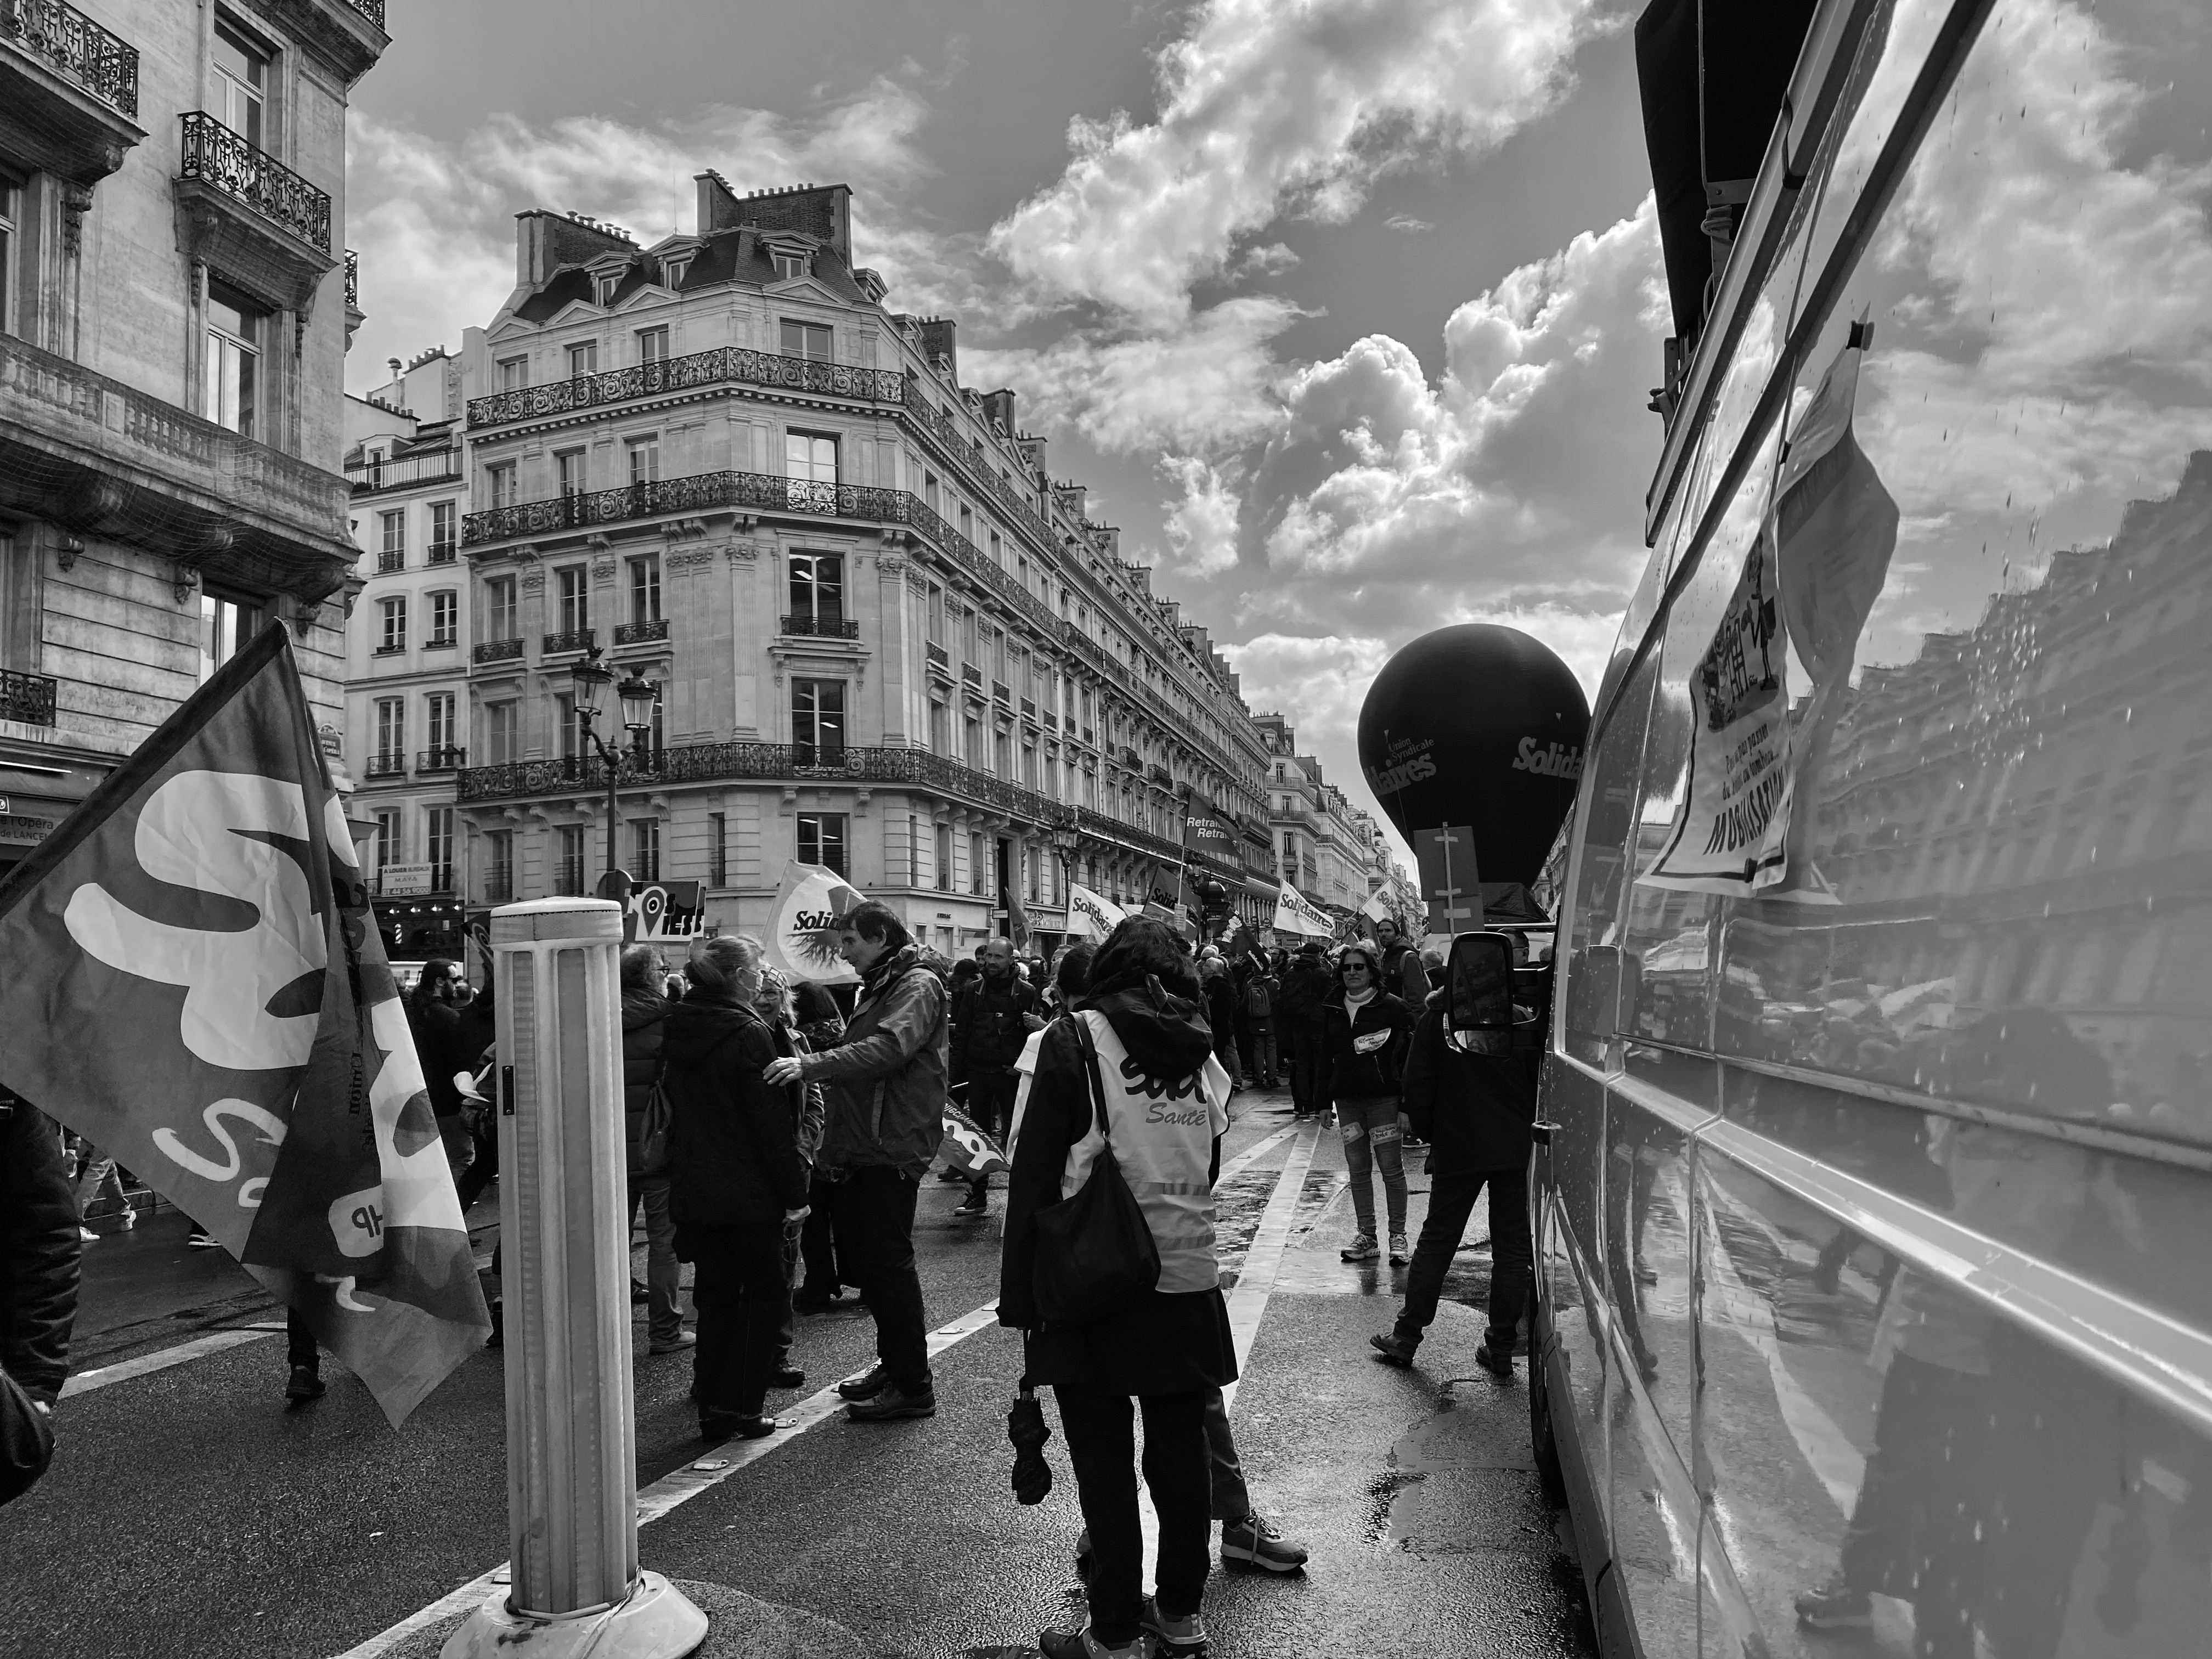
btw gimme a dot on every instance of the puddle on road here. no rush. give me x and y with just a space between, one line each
1410 1504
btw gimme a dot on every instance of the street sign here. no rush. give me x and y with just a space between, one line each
404 880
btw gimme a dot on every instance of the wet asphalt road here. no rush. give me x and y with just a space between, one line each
190 1514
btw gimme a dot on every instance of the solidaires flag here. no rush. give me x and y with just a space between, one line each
190 976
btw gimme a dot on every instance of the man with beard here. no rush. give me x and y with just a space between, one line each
991 1021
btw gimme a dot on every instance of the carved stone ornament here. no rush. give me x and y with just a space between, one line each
742 552
603 570
304 612
533 582
66 548
689 559
77 202
889 564
183 580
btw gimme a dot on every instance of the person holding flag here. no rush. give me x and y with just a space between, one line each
992 1019
272 1088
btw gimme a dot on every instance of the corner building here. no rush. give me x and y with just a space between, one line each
885 639
175 302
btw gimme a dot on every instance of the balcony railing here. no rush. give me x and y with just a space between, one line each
642 633
574 639
938 657
496 650
435 641
1128 758
443 553
440 760
1161 775
216 156
371 10
723 366
498 884
972 675
825 627
391 558
75 48
29 698
1029 708
352 280
384 766
1001 692
436 467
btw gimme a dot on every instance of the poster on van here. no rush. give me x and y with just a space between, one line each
1730 836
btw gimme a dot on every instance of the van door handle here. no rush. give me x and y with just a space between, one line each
1540 1132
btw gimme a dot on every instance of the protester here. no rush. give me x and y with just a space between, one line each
773 1003
1398 969
97 1176
886 1090
1474 1110
1219 985
1260 989
1307 986
476 1032
39 1253
1171 1347
435 1025
818 1026
1365 1033
645 1010
991 1019
738 1182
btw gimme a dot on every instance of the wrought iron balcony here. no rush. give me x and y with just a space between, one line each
938 657
393 472
642 633
75 48
440 760
352 280
498 884
371 10
29 698
575 639
443 553
435 641
391 558
723 366
217 156
1128 758
496 650
696 493
825 628
1029 708
384 766
972 675
1161 775
1001 692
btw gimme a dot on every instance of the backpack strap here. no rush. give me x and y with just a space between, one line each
1089 1047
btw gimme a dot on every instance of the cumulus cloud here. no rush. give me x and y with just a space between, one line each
1266 108
1406 225
434 220
1201 526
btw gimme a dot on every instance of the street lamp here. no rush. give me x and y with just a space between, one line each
637 697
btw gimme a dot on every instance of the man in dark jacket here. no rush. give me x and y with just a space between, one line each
435 1025
644 1018
1402 972
887 1087
1474 1111
992 1019
1306 986
40 1242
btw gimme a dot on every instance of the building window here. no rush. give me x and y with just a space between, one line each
233 392
604 287
940 729
583 358
645 589
808 340
1290 845
499 608
438 722
645 850
514 374
569 859
652 343
445 618
967 523
976 883
574 605
569 472
943 858
11 209
445 518
929 490
499 483
499 733
644 455
385 846
390 728
809 456
818 589
817 722
438 847
391 625
569 726
822 840
225 625
391 553
241 81
499 866
718 850
1000 749
913 851
789 266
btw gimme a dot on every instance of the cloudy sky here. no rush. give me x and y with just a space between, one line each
1346 310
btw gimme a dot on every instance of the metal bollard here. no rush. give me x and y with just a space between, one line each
571 1442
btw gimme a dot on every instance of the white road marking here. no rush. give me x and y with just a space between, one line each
1256 1279
687 1481
107 1376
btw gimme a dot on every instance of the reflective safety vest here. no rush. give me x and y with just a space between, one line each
1163 1134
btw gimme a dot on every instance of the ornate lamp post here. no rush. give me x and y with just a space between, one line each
1065 840
636 698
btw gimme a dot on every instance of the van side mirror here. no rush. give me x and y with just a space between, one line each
1478 1006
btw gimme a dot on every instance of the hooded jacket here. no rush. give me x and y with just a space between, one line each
988 1029
885 1081
643 1012
1474 1111
1306 986
1364 1059
733 1151
39 1251
1403 974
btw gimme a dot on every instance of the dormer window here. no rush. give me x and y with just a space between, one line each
604 285
671 271
788 266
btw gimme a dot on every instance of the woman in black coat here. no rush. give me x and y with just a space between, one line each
738 1183
1167 1104
1365 1035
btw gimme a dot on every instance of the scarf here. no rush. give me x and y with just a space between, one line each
1352 1005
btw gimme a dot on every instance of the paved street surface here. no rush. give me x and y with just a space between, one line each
190 1514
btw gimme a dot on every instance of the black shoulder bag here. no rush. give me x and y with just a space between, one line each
1094 1254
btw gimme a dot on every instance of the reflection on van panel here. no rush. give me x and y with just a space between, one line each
1874 1311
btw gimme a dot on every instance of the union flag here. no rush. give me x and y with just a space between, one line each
190 976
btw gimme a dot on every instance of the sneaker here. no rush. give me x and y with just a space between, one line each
199 1240
675 1343
867 1384
1362 1248
1401 1251
1836 1605
1082 1645
88 1235
639 1293
1173 1639
1394 1349
305 1385
1254 1540
127 1220
893 1404
975 1204
951 1175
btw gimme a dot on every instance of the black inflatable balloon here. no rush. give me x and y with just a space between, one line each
1481 725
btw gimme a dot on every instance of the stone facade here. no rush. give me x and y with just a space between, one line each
173 317
1330 850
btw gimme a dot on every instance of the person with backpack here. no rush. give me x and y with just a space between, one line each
1366 1032
644 1017
1218 986
1399 971
1307 985
1260 989
992 1019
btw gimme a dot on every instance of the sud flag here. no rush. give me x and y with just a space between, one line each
966 1149
191 977
802 938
